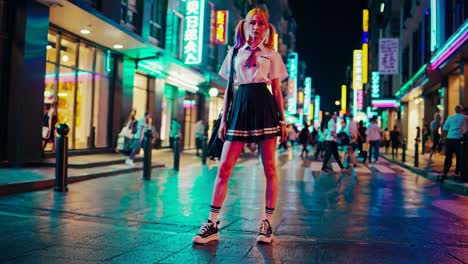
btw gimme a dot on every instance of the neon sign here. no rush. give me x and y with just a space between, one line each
317 107
292 82
220 27
193 34
375 92
343 98
365 41
307 95
357 69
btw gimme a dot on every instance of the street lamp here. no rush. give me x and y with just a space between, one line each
337 102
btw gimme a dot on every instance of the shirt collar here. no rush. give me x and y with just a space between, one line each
260 46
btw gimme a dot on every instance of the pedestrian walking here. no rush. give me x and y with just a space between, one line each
373 134
352 131
320 146
435 128
292 134
361 134
454 127
256 115
395 138
199 130
142 124
330 144
305 138
49 120
127 133
386 137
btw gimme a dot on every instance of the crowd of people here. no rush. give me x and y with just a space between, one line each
342 135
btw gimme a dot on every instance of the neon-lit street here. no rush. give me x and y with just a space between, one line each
375 214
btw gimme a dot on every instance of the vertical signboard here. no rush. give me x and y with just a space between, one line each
343 98
375 85
221 26
357 70
388 56
365 45
292 82
193 31
317 107
307 95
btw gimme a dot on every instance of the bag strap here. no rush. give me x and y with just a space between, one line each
230 84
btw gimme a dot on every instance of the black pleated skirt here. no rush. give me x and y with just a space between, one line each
254 114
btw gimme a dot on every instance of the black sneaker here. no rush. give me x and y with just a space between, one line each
265 233
207 232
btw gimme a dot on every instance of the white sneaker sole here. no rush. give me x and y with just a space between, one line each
264 239
201 240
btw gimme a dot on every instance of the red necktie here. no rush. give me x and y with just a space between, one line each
251 60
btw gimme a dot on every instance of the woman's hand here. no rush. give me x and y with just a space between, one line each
222 131
284 133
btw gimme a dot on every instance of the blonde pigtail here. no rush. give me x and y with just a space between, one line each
270 37
239 35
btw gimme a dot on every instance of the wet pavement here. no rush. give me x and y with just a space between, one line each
376 214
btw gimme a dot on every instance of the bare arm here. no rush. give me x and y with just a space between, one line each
276 90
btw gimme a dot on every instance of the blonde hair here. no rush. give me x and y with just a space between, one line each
240 35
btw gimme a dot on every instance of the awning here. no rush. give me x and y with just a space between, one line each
104 31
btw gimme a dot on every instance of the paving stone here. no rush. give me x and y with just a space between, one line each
379 253
81 253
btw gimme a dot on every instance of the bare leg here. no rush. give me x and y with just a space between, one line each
229 156
268 152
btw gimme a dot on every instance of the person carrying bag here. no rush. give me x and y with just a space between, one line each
215 144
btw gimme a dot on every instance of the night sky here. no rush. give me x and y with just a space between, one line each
327 33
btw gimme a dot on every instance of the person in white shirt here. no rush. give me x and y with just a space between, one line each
141 126
256 116
352 131
330 143
454 128
373 134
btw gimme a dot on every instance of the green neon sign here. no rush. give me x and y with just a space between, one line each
409 83
193 34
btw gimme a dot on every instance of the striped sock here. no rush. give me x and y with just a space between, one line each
269 214
214 212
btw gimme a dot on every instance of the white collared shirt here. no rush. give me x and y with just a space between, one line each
269 66
456 125
331 131
373 132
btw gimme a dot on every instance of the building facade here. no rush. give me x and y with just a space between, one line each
97 60
432 53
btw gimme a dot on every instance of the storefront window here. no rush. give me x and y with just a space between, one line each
174 33
129 14
81 93
50 84
86 57
66 101
51 47
67 52
167 114
83 110
140 95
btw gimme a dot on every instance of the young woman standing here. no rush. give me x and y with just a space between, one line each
256 115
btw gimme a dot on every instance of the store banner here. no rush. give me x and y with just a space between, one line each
389 56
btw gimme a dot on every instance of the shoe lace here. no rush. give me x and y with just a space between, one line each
205 227
264 227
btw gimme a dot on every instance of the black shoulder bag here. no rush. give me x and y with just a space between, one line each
215 145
